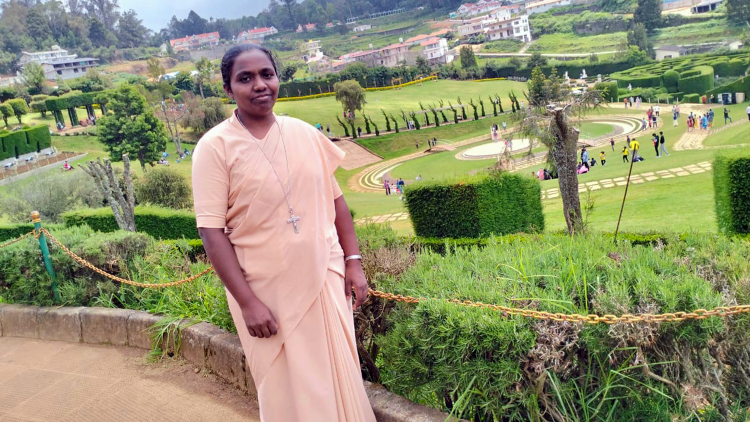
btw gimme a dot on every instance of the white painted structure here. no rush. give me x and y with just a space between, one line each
517 28
545 5
669 52
56 54
436 51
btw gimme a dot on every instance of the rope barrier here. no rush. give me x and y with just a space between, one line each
698 314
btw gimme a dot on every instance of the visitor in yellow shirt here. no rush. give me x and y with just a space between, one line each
625 155
602 158
635 146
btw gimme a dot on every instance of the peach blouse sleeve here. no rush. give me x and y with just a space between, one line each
210 186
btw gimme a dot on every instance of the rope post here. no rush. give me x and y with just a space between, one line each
45 253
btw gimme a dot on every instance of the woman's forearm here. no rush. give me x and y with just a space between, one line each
221 253
345 227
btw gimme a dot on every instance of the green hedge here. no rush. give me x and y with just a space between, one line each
39 137
608 89
691 98
161 223
732 191
74 100
19 106
740 85
477 207
700 83
736 67
671 80
24 141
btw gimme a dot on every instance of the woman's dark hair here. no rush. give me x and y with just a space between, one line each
227 62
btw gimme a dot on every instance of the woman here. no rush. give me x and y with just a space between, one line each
281 238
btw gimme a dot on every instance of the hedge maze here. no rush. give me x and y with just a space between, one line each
69 102
20 142
684 78
732 192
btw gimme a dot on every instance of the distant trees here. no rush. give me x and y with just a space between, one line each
154 68
638 36
738 11
350 94
33 78
204 68
648 13
468 59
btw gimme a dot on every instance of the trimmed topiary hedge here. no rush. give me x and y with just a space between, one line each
671 80
732 191
691 98
161 223
698 81
608 89
740 85
24 141
477 207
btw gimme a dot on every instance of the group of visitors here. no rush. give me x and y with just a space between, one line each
629 101
652 118
328 128
586 163
658 141
703 122
494 131
395 188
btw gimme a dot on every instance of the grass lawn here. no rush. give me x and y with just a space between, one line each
696 33
572 43
502 46
594 130
324 110
440 165
33 119
732 136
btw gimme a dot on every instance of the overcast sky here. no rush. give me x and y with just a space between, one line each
157 13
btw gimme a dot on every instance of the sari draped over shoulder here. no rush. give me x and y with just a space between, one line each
310 370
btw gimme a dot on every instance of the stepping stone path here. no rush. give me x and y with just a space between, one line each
553 193
636 179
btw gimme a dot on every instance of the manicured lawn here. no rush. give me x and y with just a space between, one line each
325 110
696 33
440 165
594 130
33 119
732 136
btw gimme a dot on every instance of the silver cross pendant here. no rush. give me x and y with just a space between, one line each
293 221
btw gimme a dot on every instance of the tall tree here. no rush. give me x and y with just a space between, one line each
37 26
33 77
738 11
648 13
99 35
132 127
130 30
638 36
468 59
289 7
107 11
350 94
204 68
154 68
550 121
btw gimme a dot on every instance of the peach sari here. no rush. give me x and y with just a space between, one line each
310 370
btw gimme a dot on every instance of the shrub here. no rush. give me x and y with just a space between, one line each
24 279
38 137
477 207
51 194
691 98
19 106
485 365
736 67
161 223
700 83
732 191
163 187
671 80
608 90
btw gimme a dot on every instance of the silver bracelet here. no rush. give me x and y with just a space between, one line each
350 257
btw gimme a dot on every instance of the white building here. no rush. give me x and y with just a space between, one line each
478 8
40 57
394 54
319 63
436 51
545 5
256 34
735 45
669 52
362 28
514 28
310 48
69 68
473 27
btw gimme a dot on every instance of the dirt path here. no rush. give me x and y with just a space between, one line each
67 382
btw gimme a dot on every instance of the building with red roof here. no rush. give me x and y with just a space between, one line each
256 34
195 42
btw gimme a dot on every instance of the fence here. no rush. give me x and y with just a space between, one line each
41 234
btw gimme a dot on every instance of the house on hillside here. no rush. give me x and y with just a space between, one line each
735 45
255 34
480 7
514 28
307 27
370 58
319 63
395 54
195 42
416 39
545 5
705 6
58 63
436 51
669 52
55 54
473 27
310 48
362 28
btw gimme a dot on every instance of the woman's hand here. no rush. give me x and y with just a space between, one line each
259 320
355 277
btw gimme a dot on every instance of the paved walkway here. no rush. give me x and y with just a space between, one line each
67 382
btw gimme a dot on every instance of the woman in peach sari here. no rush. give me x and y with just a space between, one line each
279 233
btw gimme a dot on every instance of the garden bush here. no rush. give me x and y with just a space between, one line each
163 187
161 223
699 83
671 80
476 207
484 365
608 89
732 191
691 98
736 67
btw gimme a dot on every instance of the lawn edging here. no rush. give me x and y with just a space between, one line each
204 345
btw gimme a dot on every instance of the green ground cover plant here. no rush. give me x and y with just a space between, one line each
732 187
483 366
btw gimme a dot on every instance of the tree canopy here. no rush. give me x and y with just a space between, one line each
648 13
350 94
133 128
468 59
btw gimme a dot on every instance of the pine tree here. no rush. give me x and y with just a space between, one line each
648 13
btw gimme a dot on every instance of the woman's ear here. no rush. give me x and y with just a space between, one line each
228 90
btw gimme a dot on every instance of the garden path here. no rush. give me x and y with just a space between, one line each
356 155
54 381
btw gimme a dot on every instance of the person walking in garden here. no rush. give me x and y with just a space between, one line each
359 131
280 236
625 155
585 157
612 143
655 140
387 187
662 148
747 110
602 158
726 116
674 119
635 146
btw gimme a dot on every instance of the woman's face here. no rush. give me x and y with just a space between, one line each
254 84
